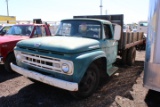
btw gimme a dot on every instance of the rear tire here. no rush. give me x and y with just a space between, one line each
88 84
131 56
124 56
10 58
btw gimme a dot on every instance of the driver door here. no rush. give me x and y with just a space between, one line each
110 45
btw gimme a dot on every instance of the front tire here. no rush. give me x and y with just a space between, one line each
88 84
10 58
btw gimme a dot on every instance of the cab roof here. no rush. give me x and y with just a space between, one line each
30 24
7 24
90 19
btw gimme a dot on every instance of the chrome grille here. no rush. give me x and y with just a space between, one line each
43 62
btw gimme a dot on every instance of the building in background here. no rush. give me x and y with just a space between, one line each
7 19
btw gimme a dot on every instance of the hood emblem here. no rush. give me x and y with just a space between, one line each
37 45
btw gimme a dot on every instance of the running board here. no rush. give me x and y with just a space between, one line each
112 70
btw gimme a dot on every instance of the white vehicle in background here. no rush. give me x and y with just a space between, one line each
126 28
142 27
130 28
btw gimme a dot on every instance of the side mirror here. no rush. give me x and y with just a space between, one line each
117 32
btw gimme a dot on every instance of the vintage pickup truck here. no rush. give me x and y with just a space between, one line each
16 33
75 60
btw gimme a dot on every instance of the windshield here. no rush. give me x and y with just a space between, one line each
0 26
24 30
4 29
80 28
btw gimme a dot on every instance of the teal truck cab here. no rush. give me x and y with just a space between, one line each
82 50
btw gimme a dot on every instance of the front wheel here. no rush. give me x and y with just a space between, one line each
88 84
10 58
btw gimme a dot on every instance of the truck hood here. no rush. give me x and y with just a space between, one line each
11 38
61 44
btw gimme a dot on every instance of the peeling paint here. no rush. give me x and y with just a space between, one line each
70 86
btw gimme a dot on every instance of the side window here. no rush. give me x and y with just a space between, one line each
107 31
39 31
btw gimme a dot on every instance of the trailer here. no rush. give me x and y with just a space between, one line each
152 61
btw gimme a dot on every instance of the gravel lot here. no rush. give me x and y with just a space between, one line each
17 91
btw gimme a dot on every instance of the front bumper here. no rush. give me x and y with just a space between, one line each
1 60
70 86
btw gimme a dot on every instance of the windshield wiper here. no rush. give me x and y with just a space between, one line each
11 34
16 34
58 35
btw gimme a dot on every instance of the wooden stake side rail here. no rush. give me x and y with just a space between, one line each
130 39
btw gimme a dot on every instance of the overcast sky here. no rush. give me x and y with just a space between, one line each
55 10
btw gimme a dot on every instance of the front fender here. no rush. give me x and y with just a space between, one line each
83 61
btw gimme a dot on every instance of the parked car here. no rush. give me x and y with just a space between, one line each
16 33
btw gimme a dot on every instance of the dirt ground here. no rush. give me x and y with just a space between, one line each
17 91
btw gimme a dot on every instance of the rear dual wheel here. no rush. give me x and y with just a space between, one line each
128 56
124 56
131 56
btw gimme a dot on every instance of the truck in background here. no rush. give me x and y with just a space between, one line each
7 19
152 60
16 33
75 60
142 27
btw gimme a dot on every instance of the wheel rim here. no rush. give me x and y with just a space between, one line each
88 82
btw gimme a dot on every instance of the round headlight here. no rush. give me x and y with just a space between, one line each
65 68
